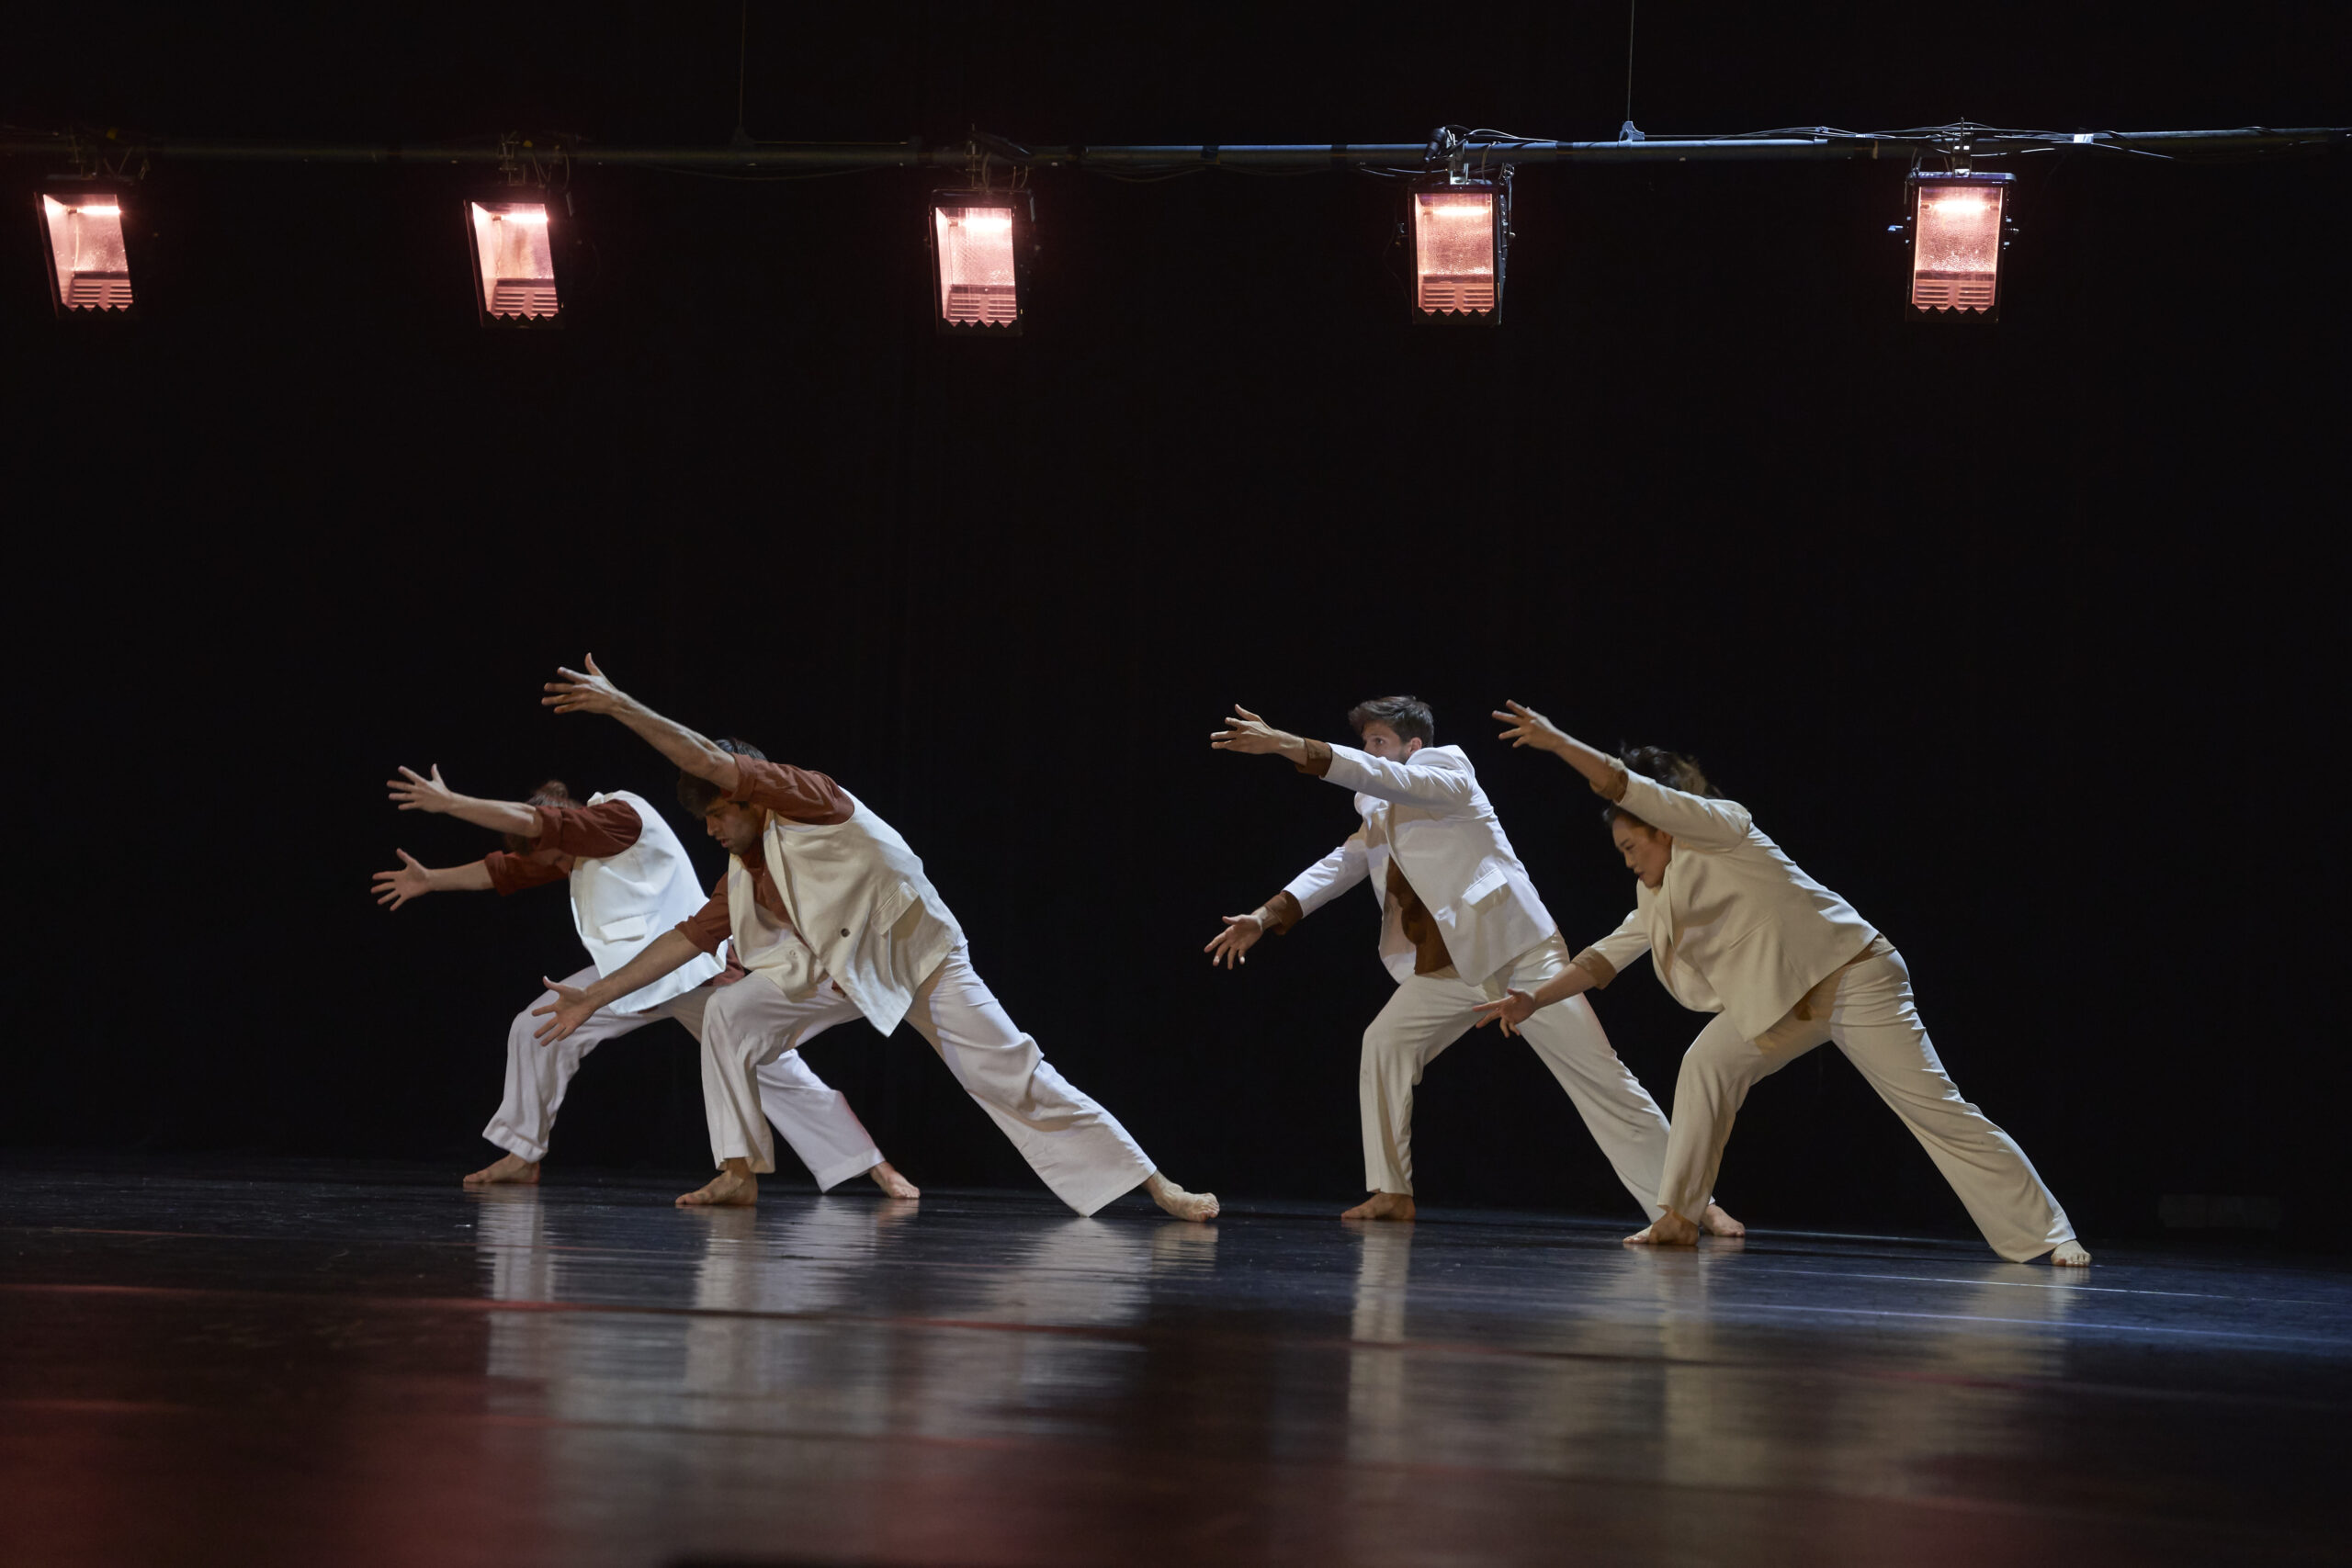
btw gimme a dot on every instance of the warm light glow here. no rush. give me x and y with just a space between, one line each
976 275
514 261
1453 258
1956 248
91 268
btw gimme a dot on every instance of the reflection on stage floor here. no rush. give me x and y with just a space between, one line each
363 1365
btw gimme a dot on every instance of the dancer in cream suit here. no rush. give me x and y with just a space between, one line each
629 880
831 911
1460 925
1734 929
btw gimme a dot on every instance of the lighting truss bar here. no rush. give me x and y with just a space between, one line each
914 154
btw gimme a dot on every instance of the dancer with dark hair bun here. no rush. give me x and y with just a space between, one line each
1460 923
1733 928
629 881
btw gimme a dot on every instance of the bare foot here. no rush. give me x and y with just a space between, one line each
2070 1253
733 1187
1195 1206
893 1185
1383 1206
1668 1229
1715 1222
513 1169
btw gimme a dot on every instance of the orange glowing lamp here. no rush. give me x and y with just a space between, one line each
514 263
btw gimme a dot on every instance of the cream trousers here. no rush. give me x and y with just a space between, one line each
1429 1012
1078 1148
814 1118
1874 1021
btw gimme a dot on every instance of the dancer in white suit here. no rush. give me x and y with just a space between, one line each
629 881
1460 924
831 911
1734 929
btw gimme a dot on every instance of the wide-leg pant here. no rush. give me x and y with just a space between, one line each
813 1116
1078 1148
1875 1022
1429 1012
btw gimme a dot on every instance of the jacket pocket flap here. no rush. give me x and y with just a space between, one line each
628 928
1488 881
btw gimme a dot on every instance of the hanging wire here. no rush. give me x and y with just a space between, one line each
1632 8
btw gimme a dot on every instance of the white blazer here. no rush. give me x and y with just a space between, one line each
1734 927
621 902
1429 813
867 914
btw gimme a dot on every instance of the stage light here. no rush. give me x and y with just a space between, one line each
90 261
1460 230
1958 231
981 245
515 283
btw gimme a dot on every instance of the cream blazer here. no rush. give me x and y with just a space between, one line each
857 894
1429 813
1735 926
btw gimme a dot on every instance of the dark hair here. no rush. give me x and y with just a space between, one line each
1408 717
699 795
1659 765
551 792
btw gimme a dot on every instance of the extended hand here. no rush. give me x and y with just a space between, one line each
583 691
1232 945
1529 728
570 1009
411 881
1515 1009
414 791
1246 732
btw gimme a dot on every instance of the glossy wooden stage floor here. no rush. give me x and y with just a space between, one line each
366 1365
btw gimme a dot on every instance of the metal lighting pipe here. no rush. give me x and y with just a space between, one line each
915 153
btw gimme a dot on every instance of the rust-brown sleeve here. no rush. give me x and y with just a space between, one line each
1591 961
1283 910
512 874
592 832
794 793
1318 758
1614 790
709 926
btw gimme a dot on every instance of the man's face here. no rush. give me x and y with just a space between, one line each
1645 849
1382 741
736 826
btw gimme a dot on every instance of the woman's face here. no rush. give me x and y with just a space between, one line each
1645 849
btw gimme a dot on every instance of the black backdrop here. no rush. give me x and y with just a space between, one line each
2025 639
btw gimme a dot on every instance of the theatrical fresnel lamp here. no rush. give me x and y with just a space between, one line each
1958 229
90 261
509 238
980 243
1460 232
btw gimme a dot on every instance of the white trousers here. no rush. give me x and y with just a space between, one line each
1876 1024
1429 1012
1078 1148
814 1118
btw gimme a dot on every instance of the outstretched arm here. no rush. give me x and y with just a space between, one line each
1695 820
414 792
1246 732
1517 1007
590 692
414 879
572 1007
1528 727
1308 891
